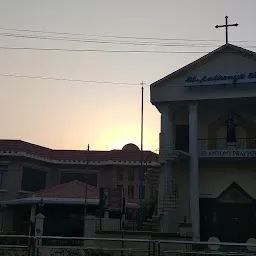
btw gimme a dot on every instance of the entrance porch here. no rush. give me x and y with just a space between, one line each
63 207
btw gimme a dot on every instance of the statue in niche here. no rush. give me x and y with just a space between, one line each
231 129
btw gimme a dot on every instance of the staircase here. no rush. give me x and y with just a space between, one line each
169 203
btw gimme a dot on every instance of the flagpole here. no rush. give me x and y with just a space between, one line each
141 154
86 187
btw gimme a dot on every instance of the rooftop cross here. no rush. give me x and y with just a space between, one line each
226 26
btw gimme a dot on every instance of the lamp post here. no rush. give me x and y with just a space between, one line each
40 204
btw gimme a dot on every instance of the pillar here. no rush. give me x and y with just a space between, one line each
167 139
167 147
89 230
39 225
194 172
39 231
32 219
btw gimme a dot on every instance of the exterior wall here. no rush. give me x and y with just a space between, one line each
182 180
125 182
213 180
107 176
14 177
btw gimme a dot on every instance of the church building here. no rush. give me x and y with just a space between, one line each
208 146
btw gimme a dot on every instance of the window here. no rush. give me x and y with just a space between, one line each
182 138
130 191
91 178
3 176
33 179
143 192
120 174
131 174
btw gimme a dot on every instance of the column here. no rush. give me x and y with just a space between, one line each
194 172
167 140
167 128
32 219
167 147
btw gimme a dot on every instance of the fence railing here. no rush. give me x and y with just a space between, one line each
221 144
12 245
78 246
115 224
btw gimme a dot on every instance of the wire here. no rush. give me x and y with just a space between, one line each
77 80
119 37
96 50
105 42
67 79
110 36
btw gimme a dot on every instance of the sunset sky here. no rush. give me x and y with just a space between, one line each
69 115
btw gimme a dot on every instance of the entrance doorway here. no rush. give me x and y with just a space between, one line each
235 222
182 138
231 217
235 215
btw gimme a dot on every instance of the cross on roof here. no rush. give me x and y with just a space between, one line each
226 26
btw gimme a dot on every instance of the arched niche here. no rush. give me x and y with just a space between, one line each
245 129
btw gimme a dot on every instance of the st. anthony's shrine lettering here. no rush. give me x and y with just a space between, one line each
221 78
228 153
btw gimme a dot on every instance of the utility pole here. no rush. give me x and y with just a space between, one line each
123 219
141 153
86 187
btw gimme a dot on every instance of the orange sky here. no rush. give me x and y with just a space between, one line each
70 115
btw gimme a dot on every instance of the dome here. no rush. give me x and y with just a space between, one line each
131 147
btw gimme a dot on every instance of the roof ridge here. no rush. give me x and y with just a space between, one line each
52 188
71 154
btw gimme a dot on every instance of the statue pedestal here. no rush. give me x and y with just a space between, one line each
231 145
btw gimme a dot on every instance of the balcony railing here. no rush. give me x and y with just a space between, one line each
221 144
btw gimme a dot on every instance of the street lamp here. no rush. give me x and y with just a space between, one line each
41 204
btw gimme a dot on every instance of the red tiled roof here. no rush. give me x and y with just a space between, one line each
75 155
73 189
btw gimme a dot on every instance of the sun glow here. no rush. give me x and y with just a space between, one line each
118 137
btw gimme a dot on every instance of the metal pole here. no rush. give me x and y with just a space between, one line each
226 18
141 155
123 220
86 187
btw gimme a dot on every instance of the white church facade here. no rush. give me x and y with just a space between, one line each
208 146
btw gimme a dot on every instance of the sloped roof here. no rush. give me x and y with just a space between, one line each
73 189
224 48
75 155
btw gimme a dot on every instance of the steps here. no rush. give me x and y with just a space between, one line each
150 225
168 203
